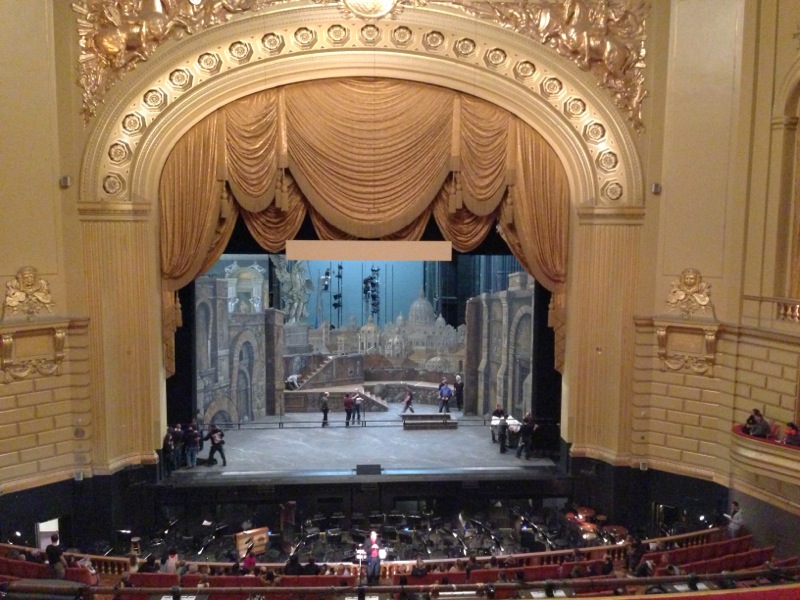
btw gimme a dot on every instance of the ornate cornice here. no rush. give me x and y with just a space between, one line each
603 37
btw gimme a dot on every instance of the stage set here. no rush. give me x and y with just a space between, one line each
321 489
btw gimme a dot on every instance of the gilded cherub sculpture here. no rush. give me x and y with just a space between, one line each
28 293
690 295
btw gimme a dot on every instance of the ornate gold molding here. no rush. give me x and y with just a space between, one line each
603 37
32 348
27 294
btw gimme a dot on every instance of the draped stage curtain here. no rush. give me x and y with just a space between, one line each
364 161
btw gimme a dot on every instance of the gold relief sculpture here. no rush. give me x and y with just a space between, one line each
28 294
604 37
690 342
116 35
689 295
27 351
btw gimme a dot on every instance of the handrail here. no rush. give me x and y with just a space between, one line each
113 565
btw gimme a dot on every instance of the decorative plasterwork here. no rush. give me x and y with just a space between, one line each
27 295
603 37
29 349
691 342
439 48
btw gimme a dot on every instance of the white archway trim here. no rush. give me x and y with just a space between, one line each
166 96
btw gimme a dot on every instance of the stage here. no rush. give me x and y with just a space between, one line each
295 449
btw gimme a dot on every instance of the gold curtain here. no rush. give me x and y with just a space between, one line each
364 161
191 204
251 135
364 153
534 222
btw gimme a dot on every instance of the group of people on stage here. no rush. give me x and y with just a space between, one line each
503 425
353 402
182 443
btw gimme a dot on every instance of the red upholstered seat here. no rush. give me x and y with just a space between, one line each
154 580
81 575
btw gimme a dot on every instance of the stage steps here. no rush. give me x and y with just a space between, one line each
418 421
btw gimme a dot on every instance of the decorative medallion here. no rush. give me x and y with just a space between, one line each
240 52
133 123
209 62
575 107
607 160
433 40
338 35
495 57
370 34
552 86
402 36
113 184
273 43
524 70
305 37
119 153
181 79
464 47
154 99
594 132
612 191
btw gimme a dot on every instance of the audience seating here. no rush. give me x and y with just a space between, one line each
317 580
25 569
455 577
692 554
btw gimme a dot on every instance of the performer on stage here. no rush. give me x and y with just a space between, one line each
323 406
459 392
373 560
408 399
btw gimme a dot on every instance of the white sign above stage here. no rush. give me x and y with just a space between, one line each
378 250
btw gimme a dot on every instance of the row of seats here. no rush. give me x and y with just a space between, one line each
681 556
732 562
25 569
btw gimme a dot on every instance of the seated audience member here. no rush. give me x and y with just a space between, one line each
472 565
124 581
249 560
751 420
311 567
760 427
457 567
645 569
791 436
293 566
203 582
607 567
149 565
419 570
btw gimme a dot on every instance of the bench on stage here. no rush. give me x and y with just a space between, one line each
416 421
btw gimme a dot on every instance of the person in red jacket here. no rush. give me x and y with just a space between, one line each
348 403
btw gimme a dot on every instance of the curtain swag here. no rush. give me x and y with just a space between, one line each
360 157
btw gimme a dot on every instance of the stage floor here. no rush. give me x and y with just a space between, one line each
295 449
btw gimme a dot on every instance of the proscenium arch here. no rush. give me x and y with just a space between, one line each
129 147
131 140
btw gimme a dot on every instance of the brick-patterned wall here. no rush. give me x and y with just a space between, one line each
682 421
46 422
